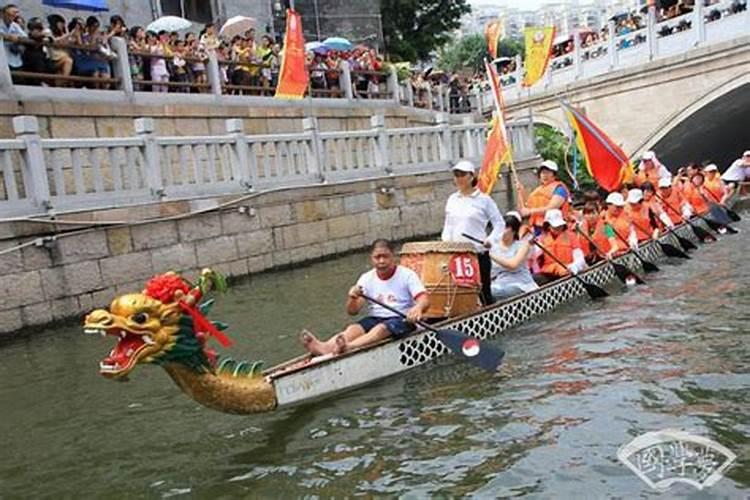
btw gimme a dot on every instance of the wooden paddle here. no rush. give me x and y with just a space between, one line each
476 351
622 272
595 292
669 250
699 232
649 267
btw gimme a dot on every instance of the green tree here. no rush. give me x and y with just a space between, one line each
551 144
413 29
470 52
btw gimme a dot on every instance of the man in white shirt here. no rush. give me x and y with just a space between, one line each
12 32
394 285
738 172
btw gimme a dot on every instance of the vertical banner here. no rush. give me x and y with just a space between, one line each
493 32
497 151
293 76
538 51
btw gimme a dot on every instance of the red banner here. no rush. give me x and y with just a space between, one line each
493 32
293 77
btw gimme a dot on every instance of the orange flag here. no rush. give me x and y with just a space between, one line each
293 77
497 151
538 50
493 32
606 161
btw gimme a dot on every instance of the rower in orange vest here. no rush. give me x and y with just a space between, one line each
658 213
563 245
650 170
589 218
714 187
550 194
639 216
673 203
613 226
693 193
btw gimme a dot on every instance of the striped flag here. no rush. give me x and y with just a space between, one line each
606 161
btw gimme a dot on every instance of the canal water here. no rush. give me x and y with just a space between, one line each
576 385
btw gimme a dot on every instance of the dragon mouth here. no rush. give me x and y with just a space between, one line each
126 353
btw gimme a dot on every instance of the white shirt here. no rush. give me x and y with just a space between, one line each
471 214
737 172
399 291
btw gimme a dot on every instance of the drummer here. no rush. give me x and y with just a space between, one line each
468 211
394 285
550 194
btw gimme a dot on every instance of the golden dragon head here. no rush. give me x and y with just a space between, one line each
161 324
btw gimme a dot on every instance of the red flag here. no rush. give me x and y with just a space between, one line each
293 76
496 152
606 161
493 32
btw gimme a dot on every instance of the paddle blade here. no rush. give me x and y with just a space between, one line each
686 243
649 267
673 251
626 275
478 352
594 291
733 215
702 234
712 224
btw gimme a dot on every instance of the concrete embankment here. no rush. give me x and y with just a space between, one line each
82 264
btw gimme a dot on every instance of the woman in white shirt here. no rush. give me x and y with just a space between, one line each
469 211
510 271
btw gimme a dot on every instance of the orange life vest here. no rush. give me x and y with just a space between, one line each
714 189
620 224
695 198
540 197
672 205
561 247
641 221
652 176
588 229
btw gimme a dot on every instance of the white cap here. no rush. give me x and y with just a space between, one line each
648 155
665 182
711 167
554 218
464 166
635 196
746 153
549 165
515 214
615 199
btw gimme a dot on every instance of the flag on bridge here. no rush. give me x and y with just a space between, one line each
538 50
493 32
293 76
606 161
497 151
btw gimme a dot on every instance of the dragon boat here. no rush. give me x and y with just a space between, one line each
166 325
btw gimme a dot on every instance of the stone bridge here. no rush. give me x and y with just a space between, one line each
688 106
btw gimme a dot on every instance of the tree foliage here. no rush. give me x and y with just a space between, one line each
413 29
551 144
470 52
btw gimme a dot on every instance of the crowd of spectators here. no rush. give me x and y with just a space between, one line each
77 52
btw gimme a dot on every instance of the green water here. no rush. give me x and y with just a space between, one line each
577 384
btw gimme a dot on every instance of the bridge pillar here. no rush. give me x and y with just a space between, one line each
612 44
699 23
577 55
651 33
346 80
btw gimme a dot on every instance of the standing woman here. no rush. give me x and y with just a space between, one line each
469 211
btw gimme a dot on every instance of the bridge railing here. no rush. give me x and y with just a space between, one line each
46 176
705 25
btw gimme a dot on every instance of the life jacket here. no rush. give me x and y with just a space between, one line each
672 205
640 220
652 176
695 198
620 224
588 229
561 247
540 197
714 189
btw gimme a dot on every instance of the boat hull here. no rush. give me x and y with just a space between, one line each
389 358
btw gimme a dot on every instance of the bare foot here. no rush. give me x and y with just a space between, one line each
311 343
340 342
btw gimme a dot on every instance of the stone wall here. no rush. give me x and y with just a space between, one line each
85 268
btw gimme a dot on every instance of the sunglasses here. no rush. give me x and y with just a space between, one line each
459 173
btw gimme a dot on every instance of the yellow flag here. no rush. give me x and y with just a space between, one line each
538 50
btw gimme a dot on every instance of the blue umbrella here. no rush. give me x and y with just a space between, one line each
338 43
93 5
316 47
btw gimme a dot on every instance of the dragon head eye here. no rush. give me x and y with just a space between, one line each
140 318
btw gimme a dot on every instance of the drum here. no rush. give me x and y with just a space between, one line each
449 272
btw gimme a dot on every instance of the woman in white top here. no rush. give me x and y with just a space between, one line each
510 271
469 211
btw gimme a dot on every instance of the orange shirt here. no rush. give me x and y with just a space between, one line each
714 189
672 205
540 197
561 247
694 196
620 225
639 216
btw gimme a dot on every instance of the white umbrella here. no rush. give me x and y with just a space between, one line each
237 25
169 23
